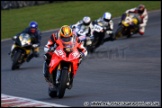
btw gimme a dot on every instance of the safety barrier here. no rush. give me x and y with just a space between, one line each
5 5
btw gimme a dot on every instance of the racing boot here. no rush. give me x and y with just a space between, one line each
36 52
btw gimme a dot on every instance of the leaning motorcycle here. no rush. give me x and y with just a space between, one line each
126 29
86 40
62 69
21 50
98 32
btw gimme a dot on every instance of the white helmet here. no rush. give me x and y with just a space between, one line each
86 20
107 16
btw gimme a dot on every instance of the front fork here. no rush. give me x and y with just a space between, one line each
58 74
12 47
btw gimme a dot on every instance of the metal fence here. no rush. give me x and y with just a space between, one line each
19 4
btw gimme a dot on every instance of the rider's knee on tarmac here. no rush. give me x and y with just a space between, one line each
141 33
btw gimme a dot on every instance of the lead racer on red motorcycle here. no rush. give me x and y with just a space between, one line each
63 36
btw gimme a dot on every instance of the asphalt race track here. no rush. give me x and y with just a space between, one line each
125 70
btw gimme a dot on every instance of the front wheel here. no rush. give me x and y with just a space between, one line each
63 83
15 59
118 32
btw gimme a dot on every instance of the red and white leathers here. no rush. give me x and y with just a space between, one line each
144 18
54 41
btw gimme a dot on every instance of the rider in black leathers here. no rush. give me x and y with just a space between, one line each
32 30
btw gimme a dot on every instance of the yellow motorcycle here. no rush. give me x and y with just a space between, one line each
22 48
128 26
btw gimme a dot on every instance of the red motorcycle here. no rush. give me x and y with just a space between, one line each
62 69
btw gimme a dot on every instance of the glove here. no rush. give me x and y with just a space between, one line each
81 54
73 26
14 37
35 45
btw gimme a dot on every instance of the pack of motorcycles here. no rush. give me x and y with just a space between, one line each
65 62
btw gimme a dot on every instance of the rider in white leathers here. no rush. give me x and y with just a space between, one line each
142 11
108 25
84 24
84 27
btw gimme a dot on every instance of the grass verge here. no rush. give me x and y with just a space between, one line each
51 16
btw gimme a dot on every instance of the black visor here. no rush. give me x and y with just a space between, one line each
106 20
140 11
86 24
66 39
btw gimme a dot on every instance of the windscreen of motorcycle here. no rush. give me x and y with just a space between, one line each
25 39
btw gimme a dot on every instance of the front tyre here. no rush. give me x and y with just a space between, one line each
118 32
15 59
63 84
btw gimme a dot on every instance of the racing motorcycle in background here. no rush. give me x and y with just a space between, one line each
128 26
21 50
81 33
98 33
62 69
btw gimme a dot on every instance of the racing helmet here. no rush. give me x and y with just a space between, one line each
86 20
66 34
33 26
107 16
140 8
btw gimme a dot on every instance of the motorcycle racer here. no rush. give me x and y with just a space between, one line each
142 11
32 30
84 23
107 23
84 26
64 36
